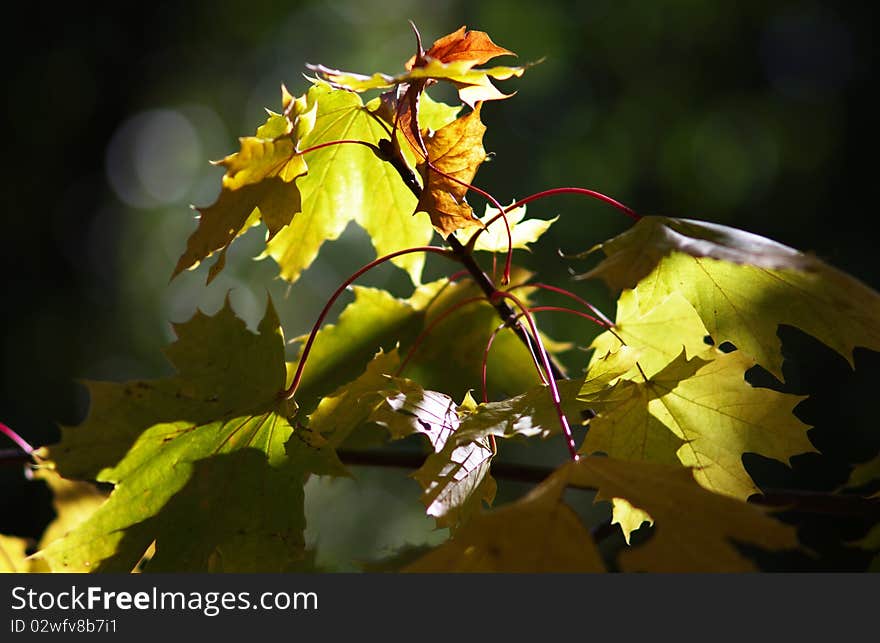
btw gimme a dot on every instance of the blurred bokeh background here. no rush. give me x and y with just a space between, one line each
752 114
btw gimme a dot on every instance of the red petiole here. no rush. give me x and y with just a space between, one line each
315 148
554 390
605 322
15 437
294 385
540 195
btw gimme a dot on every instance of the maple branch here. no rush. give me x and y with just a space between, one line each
551 382
813 502
483 280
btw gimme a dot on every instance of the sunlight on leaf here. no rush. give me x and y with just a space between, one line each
207 464
742 286
694 529
522 233
701 412
457 150
260 183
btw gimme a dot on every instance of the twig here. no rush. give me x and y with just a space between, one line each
507 314
813 502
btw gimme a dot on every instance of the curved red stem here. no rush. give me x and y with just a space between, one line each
554 390
540 195
584 191
561 309
605 322
340 142
15 437
291 390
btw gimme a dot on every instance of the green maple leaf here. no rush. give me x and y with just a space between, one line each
701 412
444 359
657 335
350 183
343 416
204 463
260 183
742 286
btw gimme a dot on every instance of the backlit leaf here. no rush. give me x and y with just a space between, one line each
205 462
348 182
457 150
536 534
742 286
260 183
451 58
658 335
703 412
694 529
473 47
13 555
522 233
455 477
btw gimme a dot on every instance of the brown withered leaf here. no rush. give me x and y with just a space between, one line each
456 150
473 47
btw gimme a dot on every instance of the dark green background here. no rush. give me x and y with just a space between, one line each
753 114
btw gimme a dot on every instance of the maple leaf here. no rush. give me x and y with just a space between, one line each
73 502
205 462
695 529
343 416
494 236
864 473
455 478
260 183
463 45
457 150
656 335
349 182
451 58
445 357
742 286
13 554
701 412
536 534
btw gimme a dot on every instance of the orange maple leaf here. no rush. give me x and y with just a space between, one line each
457 151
